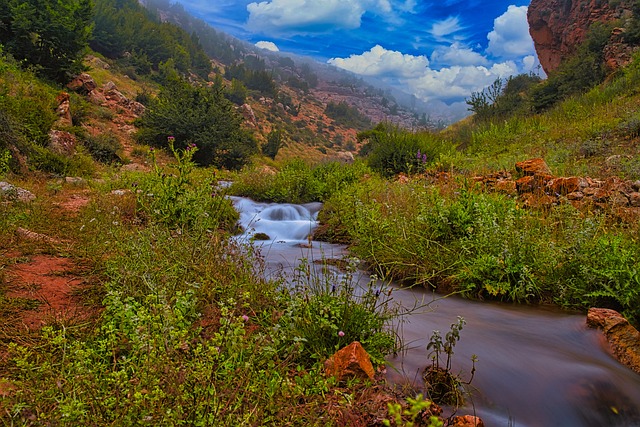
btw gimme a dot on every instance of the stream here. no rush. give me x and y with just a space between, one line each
536 366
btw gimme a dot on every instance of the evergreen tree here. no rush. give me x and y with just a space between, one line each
201 116
50 35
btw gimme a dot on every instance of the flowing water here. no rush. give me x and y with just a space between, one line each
536 367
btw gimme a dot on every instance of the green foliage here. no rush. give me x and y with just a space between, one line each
27 106
255 79
5 158
391 150
274 142
237 93
201 116
582 71
49 35
173 198
503 98
325 314
486 246
298 182
104 147
346 115
442 386
412 415
126 26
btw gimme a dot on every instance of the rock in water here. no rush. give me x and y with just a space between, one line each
623 338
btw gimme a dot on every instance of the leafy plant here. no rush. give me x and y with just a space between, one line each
411 416
172 198
325 314
5 158
442 386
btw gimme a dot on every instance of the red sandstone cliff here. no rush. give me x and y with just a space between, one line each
559 26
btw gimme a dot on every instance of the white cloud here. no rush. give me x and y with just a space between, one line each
268 46
457 54
380 62
446 27
510 37
312 16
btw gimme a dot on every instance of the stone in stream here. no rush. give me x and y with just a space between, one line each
623 338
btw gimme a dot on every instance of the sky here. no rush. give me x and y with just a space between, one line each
439 51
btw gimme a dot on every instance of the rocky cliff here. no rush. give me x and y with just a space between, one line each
559 26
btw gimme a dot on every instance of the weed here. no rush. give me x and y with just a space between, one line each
442 386
411 416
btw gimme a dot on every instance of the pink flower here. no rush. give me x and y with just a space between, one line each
245 318
340 334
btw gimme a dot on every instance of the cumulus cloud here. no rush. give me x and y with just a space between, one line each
457 54
268 46
380 62
312 16
510 37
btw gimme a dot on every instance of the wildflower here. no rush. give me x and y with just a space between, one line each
340 334
151 149
424 158
419 155
245 318
171 138
214 194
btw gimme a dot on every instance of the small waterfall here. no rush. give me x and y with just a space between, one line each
275 222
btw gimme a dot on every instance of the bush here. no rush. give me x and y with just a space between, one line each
104 147
327 313
172 197
390 150
200 116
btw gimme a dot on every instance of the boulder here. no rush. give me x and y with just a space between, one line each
533 167
351 361
83 83
62 142
566 185
623 338
11 192
64 109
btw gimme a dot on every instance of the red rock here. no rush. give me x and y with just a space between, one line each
349 362
564 186
83 83
466 421
504 186
623 338
558 27
533 167
575 196
525 184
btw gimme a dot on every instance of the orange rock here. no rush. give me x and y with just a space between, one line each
466 421
349 362
623 338
564 186
533 167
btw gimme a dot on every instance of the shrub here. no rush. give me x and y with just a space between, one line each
390 150
200 116
104 147
170 196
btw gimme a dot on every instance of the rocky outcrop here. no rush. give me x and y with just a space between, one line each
538 187
351 361
558 27
623 338
11 192
465 421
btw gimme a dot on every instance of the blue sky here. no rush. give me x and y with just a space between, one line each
440 51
